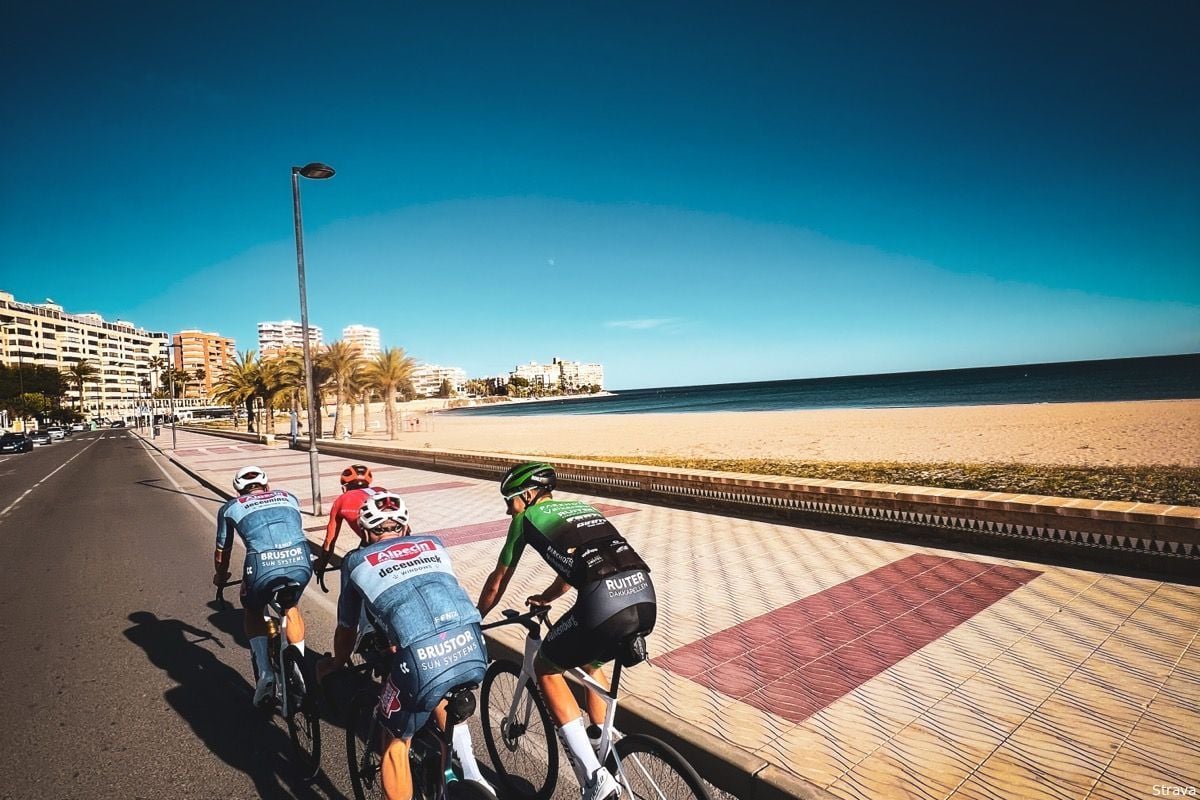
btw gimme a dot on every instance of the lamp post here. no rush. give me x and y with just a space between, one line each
171 389
313 171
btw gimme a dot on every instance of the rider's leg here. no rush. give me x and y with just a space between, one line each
461 742
256 632
596 709
397 778
565 711
295 628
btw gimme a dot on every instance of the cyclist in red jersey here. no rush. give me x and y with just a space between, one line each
356 488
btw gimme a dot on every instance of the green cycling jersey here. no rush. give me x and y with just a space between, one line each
575 539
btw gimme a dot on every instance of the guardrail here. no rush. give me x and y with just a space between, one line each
1144 529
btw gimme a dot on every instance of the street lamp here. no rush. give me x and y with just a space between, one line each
171 389
313 171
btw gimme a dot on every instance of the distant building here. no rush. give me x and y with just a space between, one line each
567 376
365 337
196 351
42 334
427 379
278 337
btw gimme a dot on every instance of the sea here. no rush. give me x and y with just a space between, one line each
1147 378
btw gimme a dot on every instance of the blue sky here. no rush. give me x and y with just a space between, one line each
687 193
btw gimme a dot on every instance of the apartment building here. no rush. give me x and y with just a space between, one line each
44 334
199 353
569 376
367 339
276 337
427 379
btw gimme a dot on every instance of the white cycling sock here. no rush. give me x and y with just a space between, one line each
299 646
258 651
576 738
466 756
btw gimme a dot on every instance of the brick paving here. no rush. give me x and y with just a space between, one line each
868 668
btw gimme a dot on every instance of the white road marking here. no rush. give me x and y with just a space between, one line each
312 594
13 504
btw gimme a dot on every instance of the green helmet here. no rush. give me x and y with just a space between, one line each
530 475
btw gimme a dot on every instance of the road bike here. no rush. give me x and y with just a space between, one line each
517 725
291 697
435 773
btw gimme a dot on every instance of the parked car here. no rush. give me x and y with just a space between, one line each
76 427
56 433
40 437
118 423
15 443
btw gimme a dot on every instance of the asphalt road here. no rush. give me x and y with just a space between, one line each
121 677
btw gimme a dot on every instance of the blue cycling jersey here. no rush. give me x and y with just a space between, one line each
408 586
266 521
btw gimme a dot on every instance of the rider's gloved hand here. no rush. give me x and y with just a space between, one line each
538 600
220 577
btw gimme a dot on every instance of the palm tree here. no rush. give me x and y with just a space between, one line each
387 372
156 365
79 374
200 374
290 366
342 359
239 384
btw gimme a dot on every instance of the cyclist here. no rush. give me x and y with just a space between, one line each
615 599
356 483
405 587
271 528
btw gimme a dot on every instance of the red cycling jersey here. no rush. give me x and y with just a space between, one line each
346 507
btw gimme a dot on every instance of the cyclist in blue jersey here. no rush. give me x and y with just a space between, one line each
271 528
405 587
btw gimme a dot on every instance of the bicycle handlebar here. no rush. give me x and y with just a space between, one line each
532 620
221 591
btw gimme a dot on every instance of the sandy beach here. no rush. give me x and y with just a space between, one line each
1124 433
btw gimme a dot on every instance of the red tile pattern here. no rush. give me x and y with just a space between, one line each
798 659
497 529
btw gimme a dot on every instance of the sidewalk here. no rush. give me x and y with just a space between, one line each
861 667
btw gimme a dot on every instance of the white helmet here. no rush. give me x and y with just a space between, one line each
379 508
249 476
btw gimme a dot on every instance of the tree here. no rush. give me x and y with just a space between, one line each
342 359
387 373
200 374
80 374
445 390
290 371
239 384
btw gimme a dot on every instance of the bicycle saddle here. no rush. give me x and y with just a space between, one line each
285 592
460 703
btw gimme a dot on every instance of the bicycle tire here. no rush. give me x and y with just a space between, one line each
303 719
466 790
362 747
524 754
650 768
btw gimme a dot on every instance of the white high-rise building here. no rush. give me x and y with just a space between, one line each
570 376
367 339
276 337
427 379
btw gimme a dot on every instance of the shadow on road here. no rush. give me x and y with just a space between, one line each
214 699
151 483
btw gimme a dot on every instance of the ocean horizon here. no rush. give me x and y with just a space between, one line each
1172 377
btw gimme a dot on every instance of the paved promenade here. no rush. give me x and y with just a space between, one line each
860 667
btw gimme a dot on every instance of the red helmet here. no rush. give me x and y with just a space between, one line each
356 476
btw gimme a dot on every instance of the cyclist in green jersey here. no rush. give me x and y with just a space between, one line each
615 599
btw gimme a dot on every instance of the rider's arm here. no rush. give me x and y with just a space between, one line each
224 548
493 588
552 593
332 528
343 644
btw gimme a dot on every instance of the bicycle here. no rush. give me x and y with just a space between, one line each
516 720
435 773
295 703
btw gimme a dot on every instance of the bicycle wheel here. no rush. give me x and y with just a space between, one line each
651 769
522 745
300 711
362 747
466 790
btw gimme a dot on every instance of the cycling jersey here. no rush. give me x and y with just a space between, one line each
408 589
347 506
576 540
273 532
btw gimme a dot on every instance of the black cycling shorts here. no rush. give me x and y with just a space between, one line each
607 612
